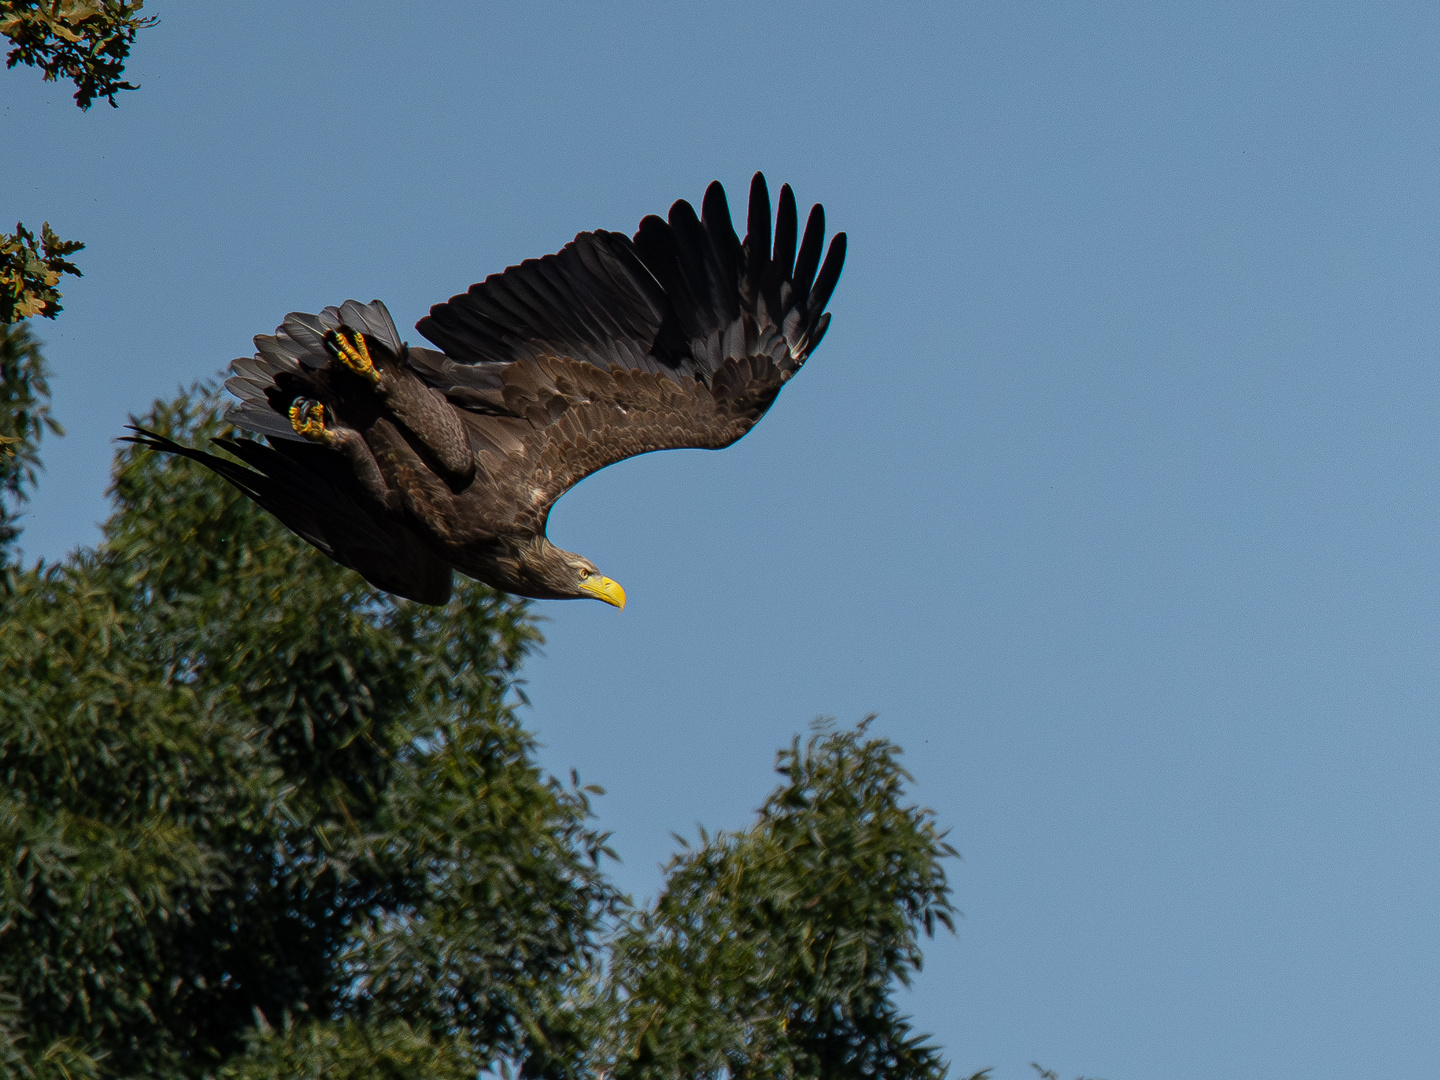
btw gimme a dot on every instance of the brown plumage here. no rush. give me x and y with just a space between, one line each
405 463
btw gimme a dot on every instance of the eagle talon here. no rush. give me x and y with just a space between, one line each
353 353
307 417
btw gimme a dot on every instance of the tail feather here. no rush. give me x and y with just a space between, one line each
312 506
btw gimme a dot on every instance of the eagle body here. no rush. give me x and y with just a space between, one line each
407 463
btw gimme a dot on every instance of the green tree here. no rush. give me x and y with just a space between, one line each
773 952
211 736
259 820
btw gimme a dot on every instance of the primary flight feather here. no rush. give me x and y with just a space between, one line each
407 464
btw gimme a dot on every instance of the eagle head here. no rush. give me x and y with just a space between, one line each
536 568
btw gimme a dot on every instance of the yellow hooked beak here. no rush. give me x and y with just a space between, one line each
602 588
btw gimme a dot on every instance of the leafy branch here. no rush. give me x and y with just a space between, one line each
30 272
86 41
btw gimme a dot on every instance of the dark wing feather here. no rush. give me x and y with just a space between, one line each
810 247
594 300
318 509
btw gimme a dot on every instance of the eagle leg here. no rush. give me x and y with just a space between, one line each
419 409
307 417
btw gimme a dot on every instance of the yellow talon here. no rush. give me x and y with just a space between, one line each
308 419
353 354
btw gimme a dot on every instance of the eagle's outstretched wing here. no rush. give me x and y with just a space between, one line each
613 347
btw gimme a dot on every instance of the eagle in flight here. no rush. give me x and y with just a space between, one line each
407 464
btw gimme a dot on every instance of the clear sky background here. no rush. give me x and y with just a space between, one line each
1113 488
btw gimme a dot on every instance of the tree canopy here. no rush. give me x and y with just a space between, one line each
260 820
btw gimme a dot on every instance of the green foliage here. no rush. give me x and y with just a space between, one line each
86 41
773 952
29 272
258 820
236 779
24 419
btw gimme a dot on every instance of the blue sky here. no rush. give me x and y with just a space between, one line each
1112 489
